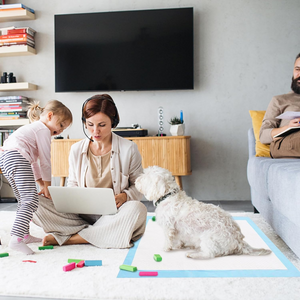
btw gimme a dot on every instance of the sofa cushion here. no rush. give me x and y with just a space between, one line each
257 173
257 117
284 188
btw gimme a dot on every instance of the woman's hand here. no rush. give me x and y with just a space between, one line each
120 199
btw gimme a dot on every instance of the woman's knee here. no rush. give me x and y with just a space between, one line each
136 206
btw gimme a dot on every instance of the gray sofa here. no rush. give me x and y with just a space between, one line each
275 193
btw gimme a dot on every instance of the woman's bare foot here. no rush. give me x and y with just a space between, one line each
76 239
49 240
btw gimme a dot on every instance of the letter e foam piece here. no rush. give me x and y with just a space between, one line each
81 264
69 267
157 257
148 273
45 247
128 268
92 263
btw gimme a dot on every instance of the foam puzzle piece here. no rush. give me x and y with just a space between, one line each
69 267
70 260
92 263
148 273
128 268
45 247
4 254
81 264
157 257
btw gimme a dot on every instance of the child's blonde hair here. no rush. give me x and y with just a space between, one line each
56 107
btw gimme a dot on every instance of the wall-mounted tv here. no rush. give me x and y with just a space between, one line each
125 50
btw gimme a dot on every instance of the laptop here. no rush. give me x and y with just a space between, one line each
78 200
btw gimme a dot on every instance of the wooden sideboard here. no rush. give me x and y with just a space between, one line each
169 152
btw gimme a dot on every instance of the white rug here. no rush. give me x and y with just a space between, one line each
47 279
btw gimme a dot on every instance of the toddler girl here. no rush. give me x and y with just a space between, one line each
19 164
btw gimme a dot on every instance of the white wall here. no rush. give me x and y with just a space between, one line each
244 54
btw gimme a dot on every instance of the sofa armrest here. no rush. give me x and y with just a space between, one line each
251 143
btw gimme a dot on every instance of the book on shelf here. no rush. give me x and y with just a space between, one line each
12 105
16 101
13 9
21 30
20 114
9 118
16 108
3 39
16 36
17 30
7 44
16 5
12 98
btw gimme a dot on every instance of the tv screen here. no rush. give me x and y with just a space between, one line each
125 50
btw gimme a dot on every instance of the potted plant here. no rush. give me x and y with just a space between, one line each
177 126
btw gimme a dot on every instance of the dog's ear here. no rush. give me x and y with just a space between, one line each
157 187
152 183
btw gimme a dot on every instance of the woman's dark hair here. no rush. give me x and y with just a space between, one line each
101 103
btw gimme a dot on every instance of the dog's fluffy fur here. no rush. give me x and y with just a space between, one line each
189 223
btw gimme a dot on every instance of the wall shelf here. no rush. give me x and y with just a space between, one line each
17 50
18 86
16 15
13 123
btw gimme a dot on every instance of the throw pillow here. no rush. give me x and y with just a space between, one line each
257 118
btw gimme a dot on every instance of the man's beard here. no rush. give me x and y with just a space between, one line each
296 85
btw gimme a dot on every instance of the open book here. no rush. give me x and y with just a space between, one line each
287 131
288 115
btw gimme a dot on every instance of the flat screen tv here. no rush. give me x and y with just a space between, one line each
124 50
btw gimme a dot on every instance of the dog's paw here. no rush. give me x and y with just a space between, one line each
167 248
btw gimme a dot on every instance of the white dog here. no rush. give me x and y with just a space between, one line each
189 223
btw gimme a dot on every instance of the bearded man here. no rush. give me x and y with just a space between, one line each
287 145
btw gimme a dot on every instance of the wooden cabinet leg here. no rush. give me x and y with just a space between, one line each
62 181
178 181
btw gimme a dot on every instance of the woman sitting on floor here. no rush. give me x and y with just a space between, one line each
105 160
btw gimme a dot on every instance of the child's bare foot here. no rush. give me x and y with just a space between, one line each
49 240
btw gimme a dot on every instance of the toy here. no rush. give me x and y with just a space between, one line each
92 263
81 264
70 260
4 254
157 257
128 268
69 267
148 273
45 247
153 218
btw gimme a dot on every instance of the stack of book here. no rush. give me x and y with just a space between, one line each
16 6
17 36
13 107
